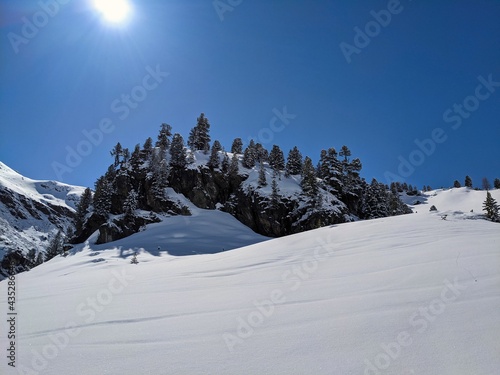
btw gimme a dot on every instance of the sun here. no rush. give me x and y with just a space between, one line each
114 11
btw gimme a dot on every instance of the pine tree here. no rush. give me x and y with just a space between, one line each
276 159
31 257
117 153
214 161
496 183
233 167
262 175
217 145
130 204
250 155
237 146
486 184
163 141
178 152
102 197
134 259
148 148
468 182
225 163
490 205
274 192
309 182
261 154
456 184
331 169
55 247
82 209
293 162
199 137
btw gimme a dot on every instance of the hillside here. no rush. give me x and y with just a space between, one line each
32 210
411 294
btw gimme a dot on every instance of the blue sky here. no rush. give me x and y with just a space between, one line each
269 70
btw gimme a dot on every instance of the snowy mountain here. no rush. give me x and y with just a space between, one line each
411 294
32 211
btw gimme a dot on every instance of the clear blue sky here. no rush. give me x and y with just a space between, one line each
240 66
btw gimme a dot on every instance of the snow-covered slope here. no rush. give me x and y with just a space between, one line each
30 210
411 294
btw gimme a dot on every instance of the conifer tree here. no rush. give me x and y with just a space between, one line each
468 182
276 159
214 161
490 205
486 184
250 155
102 197
225 163
163 141
293 162
82 209
262 175
233 167
456 184
217 145
274 192
309 182
130 204
496 183
117 153
148 148
261 154
237 146
199 137
178 152
55 247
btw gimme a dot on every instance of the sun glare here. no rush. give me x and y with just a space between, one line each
114 11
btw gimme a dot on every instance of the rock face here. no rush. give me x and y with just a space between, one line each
31 212
293 212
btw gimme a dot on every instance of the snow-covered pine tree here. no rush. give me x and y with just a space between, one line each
331 169
55 246
199 137
214 161
456 184
225 163
163 141
309 182
178 152
468 182
102 197
276 159
237 146
82 209
274 192
217 145
250 155
490 205
130 204
262 175
261 154
233 167
293 162
148 149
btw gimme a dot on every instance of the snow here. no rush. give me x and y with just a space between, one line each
411 294
23 230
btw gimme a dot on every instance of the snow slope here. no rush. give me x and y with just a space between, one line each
411 294
30 209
